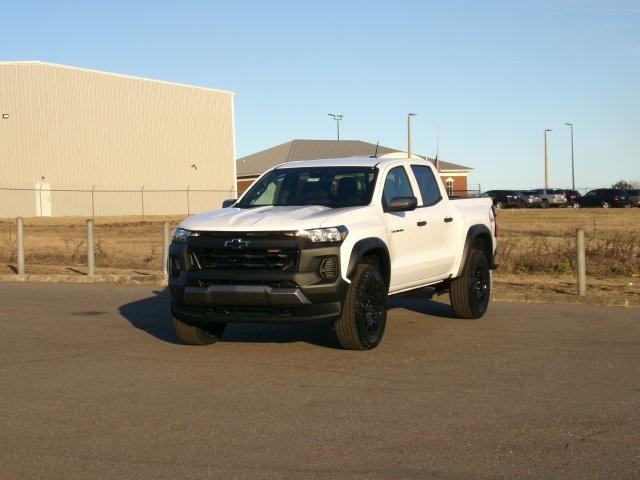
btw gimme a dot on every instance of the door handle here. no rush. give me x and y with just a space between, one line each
448 219
421 223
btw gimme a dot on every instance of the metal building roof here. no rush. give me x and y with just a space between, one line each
302 149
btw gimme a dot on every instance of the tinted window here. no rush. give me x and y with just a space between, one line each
396 185
427 183
539 191
328 186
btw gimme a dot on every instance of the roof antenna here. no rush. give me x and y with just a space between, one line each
375 155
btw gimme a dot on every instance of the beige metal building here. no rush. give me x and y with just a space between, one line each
83 142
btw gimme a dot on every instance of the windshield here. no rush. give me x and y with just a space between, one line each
333 187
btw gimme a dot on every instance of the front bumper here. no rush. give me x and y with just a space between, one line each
253 295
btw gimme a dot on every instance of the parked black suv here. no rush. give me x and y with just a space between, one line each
573 196
605 198
634 197
506 198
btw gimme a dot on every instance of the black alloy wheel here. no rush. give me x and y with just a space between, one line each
364 313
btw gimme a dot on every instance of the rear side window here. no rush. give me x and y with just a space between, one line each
428 185
396 185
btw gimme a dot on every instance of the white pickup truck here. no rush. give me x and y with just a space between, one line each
329 241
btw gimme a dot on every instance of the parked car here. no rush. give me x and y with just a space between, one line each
505 198
634 197
328 241
605 198
532 200
551 197
572 198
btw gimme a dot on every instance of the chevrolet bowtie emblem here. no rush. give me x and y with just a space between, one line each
236 243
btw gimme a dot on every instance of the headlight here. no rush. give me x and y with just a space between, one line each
180 235
324 235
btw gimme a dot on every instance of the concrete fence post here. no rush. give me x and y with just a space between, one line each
91 261
165 248
20 245
581 263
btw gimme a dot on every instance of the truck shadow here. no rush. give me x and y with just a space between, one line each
422 302
151 315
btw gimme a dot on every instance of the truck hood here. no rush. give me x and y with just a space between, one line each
267 218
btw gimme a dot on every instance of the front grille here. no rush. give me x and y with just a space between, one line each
222 258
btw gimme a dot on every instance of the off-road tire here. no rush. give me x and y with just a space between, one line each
545 203
364 313
470 293
192 335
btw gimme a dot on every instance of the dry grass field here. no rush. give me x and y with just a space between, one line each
537 247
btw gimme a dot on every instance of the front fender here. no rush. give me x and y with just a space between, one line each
371 245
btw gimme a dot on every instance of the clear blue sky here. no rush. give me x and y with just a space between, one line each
493 74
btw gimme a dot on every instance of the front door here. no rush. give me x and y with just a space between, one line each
405 232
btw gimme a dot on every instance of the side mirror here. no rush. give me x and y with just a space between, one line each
230 201
402 204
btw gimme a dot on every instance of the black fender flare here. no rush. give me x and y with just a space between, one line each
474 232
370 245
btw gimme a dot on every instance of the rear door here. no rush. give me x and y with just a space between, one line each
440 225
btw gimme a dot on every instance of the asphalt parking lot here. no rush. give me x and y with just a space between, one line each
94 385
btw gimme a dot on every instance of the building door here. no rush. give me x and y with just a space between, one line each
43 199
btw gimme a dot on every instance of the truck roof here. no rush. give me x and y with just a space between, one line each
346 162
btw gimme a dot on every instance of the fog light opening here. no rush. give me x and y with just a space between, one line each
328 267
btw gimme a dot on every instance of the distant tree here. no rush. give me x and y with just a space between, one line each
622 184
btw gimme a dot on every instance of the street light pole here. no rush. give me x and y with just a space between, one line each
546 160
337 117
573 173
410 133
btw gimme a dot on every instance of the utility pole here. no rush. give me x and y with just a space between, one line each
437 147
573 173
338 118
546 160
410 133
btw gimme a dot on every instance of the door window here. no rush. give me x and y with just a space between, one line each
428 185
396 185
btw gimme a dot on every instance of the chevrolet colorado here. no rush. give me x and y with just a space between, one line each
329 241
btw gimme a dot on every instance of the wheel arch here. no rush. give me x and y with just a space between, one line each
477 235
370 247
